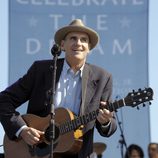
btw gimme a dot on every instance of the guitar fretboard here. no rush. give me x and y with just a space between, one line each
82 120
77 122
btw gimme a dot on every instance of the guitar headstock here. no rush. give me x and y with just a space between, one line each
137 97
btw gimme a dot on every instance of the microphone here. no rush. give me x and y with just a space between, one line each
56 50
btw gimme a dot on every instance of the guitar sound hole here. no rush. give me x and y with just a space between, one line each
48 134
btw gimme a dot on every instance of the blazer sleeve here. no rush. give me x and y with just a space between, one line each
11 98
107 130
107 96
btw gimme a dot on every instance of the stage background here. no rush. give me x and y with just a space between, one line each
122 49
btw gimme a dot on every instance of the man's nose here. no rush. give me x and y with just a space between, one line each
78 41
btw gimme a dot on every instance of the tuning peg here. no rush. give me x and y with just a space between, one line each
139 89
133 91
137 108
149 103
144 105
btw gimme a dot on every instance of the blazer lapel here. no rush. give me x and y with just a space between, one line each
88 89
85 78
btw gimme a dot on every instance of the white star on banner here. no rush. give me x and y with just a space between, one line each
125 22
33 22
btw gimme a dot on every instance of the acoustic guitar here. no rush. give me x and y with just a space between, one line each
68 129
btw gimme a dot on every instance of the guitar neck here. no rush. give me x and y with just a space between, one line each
84 119
116 105
77 122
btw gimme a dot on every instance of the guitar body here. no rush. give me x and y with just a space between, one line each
67 143
17 149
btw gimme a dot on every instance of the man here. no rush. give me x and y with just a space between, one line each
153 150
80 87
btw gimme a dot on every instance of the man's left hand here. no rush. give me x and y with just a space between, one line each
104 116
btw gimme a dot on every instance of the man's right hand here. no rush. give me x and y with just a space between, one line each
31 136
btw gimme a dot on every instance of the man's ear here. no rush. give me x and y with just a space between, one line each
89 46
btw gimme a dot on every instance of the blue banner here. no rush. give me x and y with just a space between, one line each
122 50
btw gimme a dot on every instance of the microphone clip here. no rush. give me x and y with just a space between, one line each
56 50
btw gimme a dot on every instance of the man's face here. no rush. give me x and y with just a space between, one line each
153 150
76 46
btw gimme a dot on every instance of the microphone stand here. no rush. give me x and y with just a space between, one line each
56 51
122 141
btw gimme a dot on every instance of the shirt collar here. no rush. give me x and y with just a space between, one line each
67 68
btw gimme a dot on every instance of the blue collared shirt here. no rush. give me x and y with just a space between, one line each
68 91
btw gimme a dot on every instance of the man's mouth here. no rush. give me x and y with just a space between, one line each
77 50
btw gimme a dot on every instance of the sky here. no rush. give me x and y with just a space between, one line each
153 66
153 60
